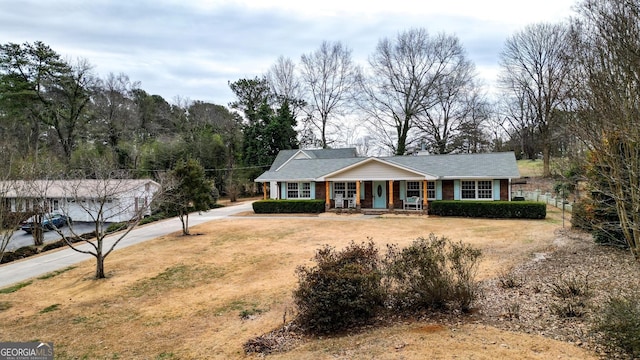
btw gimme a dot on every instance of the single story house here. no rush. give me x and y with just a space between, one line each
345 180
82 200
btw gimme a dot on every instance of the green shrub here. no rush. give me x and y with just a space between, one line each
432 273
288 206
155 217
619 322
342 290
54 245
20 253
581 216
600 218
489 209
113 227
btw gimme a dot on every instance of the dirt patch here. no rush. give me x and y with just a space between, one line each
529 307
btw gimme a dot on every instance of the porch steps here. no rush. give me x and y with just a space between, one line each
374 212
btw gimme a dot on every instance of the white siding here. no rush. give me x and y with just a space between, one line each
374 170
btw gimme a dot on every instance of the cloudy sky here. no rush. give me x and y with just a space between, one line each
193 48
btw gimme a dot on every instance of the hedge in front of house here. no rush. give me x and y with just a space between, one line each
288 206
489 209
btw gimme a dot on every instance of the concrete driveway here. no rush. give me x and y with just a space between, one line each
22 270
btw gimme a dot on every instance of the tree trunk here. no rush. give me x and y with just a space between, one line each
546 169
184 219
100 266
38 234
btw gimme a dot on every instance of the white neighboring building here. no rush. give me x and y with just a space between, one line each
81 200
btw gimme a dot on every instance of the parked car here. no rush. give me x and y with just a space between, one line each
49 222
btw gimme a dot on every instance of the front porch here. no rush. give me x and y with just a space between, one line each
375 195
372 211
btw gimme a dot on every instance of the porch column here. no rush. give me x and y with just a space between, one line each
425 202
390 194
357 194
264 191
327 196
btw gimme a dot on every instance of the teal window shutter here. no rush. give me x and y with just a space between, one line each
438 190
403 189
456 189
361 190
283 190
496 189
313 189
331 190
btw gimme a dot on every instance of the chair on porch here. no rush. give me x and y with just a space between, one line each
339 201
413 203
351 203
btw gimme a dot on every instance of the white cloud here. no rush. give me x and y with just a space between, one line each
194 48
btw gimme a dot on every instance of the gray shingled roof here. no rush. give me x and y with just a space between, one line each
485 165
322 162
307 169
285 155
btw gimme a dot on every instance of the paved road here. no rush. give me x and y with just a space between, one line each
18 271
21 238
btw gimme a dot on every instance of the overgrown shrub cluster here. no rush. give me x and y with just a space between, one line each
570 295
288 206
619 321
489 209
600 219
432 273
353 286
342 290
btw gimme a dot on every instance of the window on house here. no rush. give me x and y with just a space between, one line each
292 190
431 190
414 188
351 189
306 190
346 189
339 189
472 189
299 190
485 189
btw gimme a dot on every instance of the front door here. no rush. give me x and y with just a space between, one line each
379 194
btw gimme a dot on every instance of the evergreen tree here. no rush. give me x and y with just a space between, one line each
190 191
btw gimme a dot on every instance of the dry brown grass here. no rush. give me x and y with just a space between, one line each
181 297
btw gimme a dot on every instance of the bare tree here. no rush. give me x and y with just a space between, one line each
107 199
114 108
534 66
474 135
35 194
283 80
606 71
454 103
329 78
9 217
516 118
67 114
402 82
